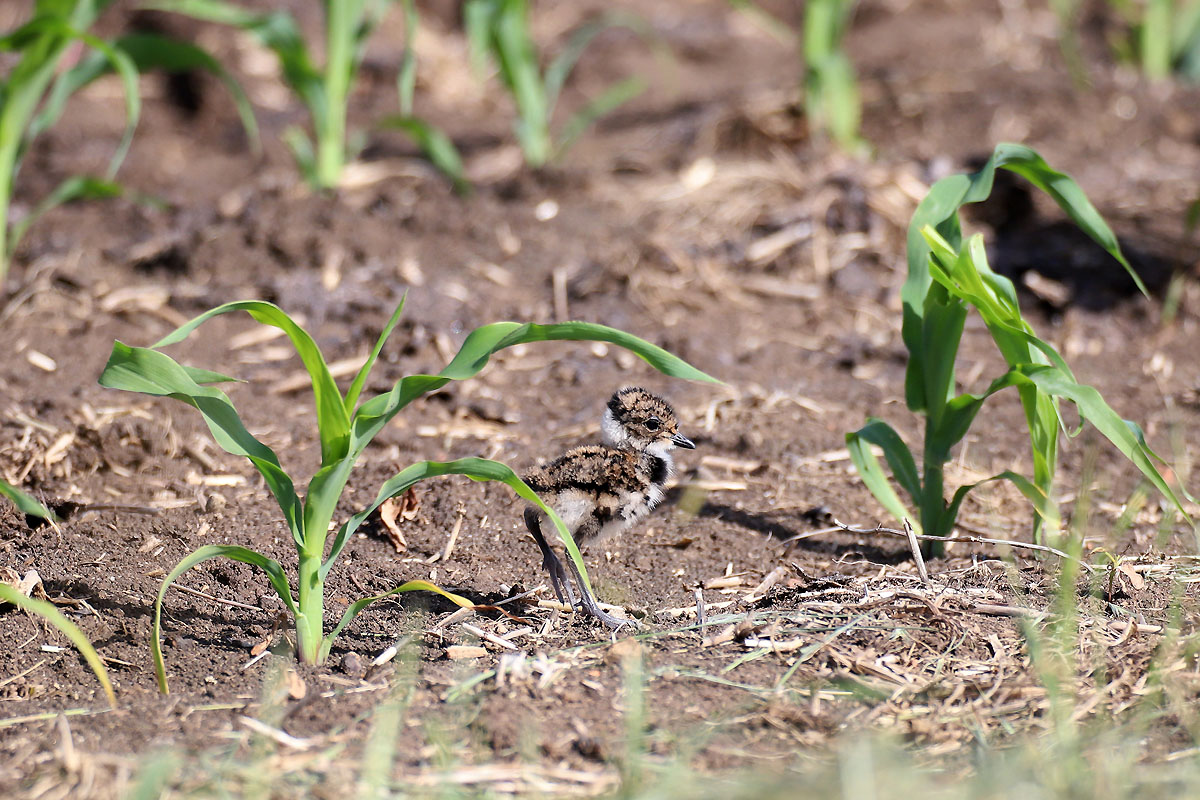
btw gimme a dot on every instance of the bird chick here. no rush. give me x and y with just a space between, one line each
601 490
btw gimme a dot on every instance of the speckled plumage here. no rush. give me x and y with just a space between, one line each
601 490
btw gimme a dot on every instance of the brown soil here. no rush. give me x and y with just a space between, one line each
665 216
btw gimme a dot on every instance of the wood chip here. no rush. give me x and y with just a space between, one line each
41 361
295 685
457 651
503 644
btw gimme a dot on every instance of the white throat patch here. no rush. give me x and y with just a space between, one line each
614 432
662 449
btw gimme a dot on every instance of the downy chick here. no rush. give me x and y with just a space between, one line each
601 490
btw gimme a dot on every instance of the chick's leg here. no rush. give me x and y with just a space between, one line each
591 607
550 561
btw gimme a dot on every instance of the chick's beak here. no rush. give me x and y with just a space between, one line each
679 440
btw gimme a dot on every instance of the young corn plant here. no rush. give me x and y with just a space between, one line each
32 97
1165 36
831 101
948 277
324 90
1162 37
436 145
49 72
346 424
499 29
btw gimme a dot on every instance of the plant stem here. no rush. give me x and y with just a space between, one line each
310 624
933 503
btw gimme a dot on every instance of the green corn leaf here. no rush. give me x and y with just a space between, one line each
518 62
277 30
830 87
436 145
47 611
153 51
482 342
940 209
478 348
1125 436
333 421
356 608
149 51
406 81
477 24
127 71
56 32
139 369
478 469
899 458
204 376
959 413
24 503
560 68
79 187
270 566
611 98
834 101
301 147
1042 504
940 337
360 378
1155 40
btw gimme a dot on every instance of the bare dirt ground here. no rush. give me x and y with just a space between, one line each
701 217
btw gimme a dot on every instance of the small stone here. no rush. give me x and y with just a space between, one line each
352 665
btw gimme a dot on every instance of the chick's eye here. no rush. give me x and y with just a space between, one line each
653 424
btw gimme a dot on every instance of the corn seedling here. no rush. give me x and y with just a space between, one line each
32 97
434 143
499 29
1162 37
324 90
947 278
1165 36
345 427
831 101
